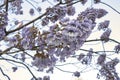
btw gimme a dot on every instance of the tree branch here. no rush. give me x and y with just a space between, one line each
20 63
110 7
4 73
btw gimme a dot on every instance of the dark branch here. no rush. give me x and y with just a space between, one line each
4 73
110 7
6 2
20 63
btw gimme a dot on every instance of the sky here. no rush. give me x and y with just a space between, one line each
59 75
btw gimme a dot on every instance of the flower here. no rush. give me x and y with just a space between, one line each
105 36
101 13
31 11
101 59
117 48
70 10
76 74
103 25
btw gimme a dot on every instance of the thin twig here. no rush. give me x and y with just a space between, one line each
63 70
4 73
110 7
2 58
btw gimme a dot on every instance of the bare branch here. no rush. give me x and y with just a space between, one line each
4 74
2 58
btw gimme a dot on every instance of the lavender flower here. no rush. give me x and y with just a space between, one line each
83 1
70 10
14 68
45 21
101 59
81 56
2 33
56 13
101 13
117 48
31 11
77 74
46 78
105 36
96 1
103 25
16 6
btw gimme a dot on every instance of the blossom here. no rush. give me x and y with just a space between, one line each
103 25
101 59
81 56
56 13
31 11
2 33
16 6
77 74
97 1
117 48
101 13
105 35
46 78
70 10
45 21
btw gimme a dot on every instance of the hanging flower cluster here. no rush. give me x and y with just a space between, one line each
62 39
3 23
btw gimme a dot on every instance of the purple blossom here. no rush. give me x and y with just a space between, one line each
81 56
83 1
105 36
45 21
2 33
101 59
56 13
23 57
70 10
31 11
117 48
76 74
103 25
46 78
96 1
16 6
101 13
14 68
3 18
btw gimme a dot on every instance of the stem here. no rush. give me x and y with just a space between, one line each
20 63
110 7
4 73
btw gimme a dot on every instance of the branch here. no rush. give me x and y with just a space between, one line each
6 2
110 7
19 63
4 73
8 32
63 70
5 51
102 40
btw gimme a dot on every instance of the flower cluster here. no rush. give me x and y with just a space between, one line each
43 61
105 36
103 25
16 6
117 48
63 39
108 70
57 13
101 59
3 23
